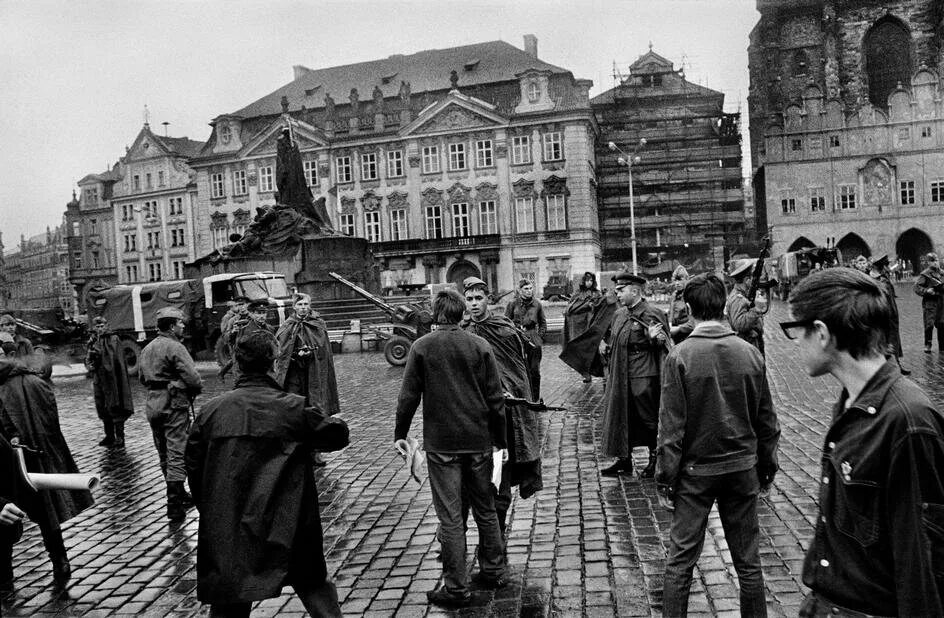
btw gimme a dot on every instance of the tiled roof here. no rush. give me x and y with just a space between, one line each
480 63
181 145
672 85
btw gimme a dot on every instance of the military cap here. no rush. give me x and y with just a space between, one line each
6 318
471 282
931 257
259 303
169 312
241 299
741 266
99 320
627 278
6 337
881 263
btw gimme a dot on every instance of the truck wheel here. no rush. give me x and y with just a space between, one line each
131 351
554 298
396 349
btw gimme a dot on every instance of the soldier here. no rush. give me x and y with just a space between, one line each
168 372
878 270
224 351
23 346
637 342
681 323
527 313
111 385
930 287
746 321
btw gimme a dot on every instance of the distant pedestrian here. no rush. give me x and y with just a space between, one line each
861 263
23 345
170 375
930 287
248 461
527 313
743 316
111 385
878 270
878 546
718 439
636 346
681 323
456 375
579 312
238 309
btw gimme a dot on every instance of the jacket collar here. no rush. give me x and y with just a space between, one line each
167 334
248 380
712 330
873 393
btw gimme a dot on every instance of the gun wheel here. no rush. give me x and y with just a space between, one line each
396 349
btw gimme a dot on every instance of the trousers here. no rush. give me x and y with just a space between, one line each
319 600
169 429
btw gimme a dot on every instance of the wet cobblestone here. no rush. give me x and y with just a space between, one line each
585 545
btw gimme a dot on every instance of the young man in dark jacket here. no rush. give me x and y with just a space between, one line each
878 547
717 442
456 376
248 460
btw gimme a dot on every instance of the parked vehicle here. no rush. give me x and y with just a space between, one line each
558 288
794 265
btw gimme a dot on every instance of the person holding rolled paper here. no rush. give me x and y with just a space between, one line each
12 491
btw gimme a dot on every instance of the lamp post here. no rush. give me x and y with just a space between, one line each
629 160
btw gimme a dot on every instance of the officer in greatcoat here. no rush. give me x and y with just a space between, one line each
637 343
111 386
170 375
930 287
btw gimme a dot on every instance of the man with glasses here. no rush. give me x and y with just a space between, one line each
878 547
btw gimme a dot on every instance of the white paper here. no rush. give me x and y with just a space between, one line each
498 458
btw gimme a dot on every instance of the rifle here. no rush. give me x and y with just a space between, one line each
758 271
535 406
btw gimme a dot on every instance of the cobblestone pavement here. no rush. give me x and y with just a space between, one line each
584 545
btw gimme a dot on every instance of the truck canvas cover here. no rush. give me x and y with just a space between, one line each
133 307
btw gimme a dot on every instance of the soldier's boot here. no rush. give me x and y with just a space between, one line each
176 501
622 465
120 434
650 470
61 569
109 439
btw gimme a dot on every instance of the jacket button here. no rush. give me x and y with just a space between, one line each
824 562
825 480
835 610
871 410
831 445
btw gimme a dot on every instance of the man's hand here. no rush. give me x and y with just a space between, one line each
11 514
503 451
604 348
765 490
666 501
656 333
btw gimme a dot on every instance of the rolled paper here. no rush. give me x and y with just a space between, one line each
46 482
412 455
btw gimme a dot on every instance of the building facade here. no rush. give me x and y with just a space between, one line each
687 184
152 205
90 235
37 274
473 160
848 124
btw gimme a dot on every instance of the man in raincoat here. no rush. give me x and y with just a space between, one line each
305 365
110 383
578 314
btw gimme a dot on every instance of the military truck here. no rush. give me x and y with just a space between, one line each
794 265
130 309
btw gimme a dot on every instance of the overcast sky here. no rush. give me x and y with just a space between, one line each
76 75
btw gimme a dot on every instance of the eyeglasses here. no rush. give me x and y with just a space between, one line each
793 330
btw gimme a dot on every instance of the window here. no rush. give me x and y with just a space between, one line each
91 196
131 242
553 146
77 259
131 272
147 180
394 163
154 271
847 197
154 240
372 226
937 191
887 59
93 226
239 183
460 219
524 214
160 179
534 92
788 204
434 227
310 169
907 188
220 237
799 63
178 269
796 144
817 199
816 144
346 223
136 181
127 212
216 186
556 212
456 156
96 259
398 230
483 153
369 166
488 217
430 159
176 205
265 178
925 131
904 133
343 171
177 238
834 141
521 150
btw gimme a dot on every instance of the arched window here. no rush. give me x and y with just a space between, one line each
800 62
887 58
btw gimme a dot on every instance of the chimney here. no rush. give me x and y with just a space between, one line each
299 70
531 44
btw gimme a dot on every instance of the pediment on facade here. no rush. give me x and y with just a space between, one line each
266 141
145 147
455 112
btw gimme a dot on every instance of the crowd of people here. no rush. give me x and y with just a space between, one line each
689 384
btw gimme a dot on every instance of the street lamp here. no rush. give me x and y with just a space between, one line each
629 160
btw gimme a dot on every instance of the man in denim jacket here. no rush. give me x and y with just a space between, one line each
717 441
879 542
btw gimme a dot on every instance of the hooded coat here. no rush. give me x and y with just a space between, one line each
249 468
110 381
578 313
582 353
313 375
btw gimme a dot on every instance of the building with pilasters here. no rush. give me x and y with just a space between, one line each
90 235
473 160
37 274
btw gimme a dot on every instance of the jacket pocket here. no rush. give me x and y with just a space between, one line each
856 513
932 520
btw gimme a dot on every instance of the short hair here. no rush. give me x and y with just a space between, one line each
241 299
851 304
165 324
6 318
524 282
706 295
300 296
255 352
448 307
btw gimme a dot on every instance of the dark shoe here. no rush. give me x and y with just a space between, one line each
119 435
904 372
587 379
318 460
178 501
621 466
927 348
489 582
107 441
444 598
61 570
650 470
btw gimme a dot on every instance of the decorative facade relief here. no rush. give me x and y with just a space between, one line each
371 201
348 205
398 200
432 197
459 193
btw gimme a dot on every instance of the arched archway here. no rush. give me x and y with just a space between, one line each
887 50
461 269
801 243
851 245
911 245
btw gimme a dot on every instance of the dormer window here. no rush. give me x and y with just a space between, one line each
471 64
226 134
534 92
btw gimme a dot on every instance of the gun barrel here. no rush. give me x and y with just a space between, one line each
364 293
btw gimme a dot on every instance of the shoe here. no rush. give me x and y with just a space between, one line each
650 470
178 501
119 435
444 598
587 379
61 570
107 441
489 582
927 349
621 465
904 372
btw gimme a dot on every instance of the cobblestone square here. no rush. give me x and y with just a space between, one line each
585 545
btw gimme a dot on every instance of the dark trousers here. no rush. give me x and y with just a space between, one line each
169 430
449 475
320 600
929 330
736 494
48 528
533 361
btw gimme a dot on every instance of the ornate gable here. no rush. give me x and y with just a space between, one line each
455 112
266 141
452 119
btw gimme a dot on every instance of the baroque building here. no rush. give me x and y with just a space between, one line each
90 235
37 273
472 160
847 124
687 184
